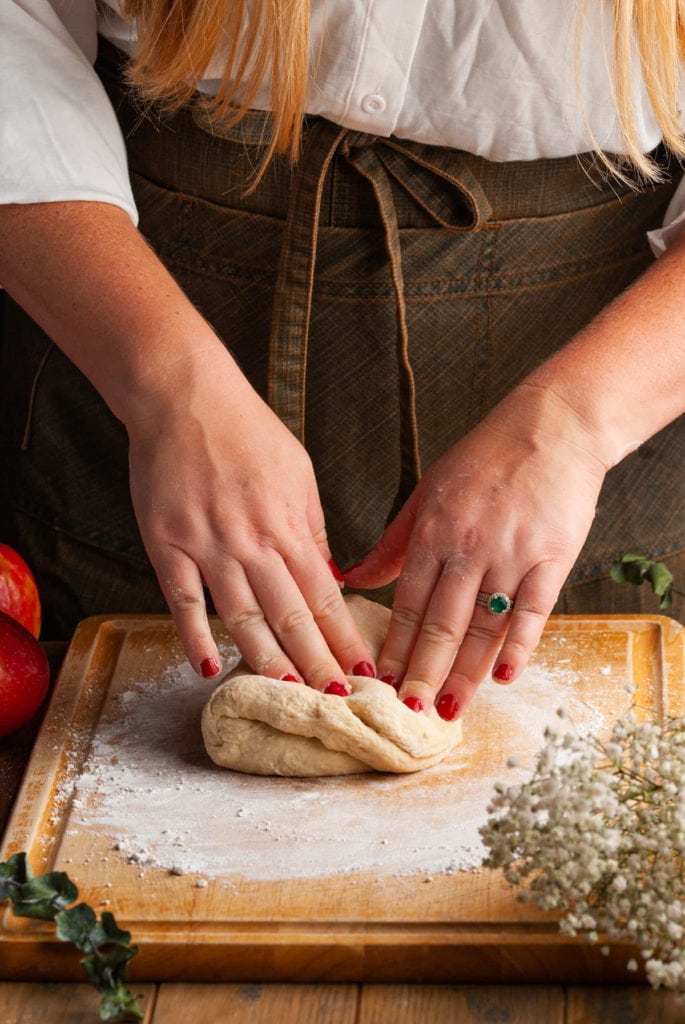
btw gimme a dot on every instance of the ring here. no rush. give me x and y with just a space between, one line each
496 604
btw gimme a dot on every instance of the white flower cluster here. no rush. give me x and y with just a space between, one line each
598 834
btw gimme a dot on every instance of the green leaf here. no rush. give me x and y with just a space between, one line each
636 569
119 1006
630 569
78 925
107 970
43 897
13 872
112 930
660 578
48 897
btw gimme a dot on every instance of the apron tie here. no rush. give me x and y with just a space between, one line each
455 203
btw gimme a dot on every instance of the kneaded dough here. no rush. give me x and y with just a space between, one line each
267 727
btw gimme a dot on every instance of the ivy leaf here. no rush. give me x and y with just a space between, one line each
113 933
13 873
49 897
119 1005
636 569
43 897
107 970
661 580
79 926
629 569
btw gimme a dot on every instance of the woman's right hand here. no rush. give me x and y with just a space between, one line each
225 495
223 492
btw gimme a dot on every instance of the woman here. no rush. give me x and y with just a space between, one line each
412 236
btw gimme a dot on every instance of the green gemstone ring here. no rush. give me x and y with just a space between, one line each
496 604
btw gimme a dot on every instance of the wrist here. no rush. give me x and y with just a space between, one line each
200 376
536 414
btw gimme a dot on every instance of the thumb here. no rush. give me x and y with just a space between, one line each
384 563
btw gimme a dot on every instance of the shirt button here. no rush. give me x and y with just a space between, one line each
373 103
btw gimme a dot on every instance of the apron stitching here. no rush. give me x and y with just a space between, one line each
26 437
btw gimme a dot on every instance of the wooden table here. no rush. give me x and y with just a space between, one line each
170 1003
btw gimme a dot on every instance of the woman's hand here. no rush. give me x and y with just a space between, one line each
507 510
225 496
223 492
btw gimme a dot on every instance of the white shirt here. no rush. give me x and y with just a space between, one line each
500 78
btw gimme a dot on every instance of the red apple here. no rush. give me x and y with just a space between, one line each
24 675
18 591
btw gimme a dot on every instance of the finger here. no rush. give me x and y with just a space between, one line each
334 620
295 622
339 628
483 640
447 628
474 658
384 563
181 584
415 586
242 614
535 600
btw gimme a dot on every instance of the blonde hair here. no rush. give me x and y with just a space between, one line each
258 38
656 28
270 38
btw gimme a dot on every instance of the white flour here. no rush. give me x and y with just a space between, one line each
149 786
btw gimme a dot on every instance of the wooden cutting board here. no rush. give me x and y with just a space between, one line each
369 878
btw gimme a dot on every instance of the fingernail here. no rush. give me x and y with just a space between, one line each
413 703
289 678
209 667
391 681
363 668
447 707
339 689
337 575
503 672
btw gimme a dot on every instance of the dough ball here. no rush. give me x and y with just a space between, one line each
267 727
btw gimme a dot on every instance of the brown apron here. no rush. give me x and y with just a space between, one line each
383 295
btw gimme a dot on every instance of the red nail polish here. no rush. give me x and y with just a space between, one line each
339 689
337 575
447 707
210 667
289 678
413 703
363 668
503 672
391 681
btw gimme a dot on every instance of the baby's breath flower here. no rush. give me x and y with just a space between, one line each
598 835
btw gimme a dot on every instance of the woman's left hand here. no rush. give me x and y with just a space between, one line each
506 510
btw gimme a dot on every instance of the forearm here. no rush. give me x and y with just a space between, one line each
623 377
87 276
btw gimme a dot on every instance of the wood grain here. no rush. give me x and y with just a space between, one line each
256 1004
354 927
630 1004
465 1004
77 1003
52 1003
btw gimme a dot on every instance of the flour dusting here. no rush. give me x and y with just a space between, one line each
149 786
